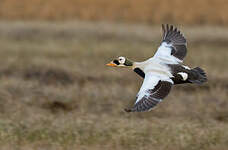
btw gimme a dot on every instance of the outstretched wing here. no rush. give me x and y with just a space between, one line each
152 92
173 47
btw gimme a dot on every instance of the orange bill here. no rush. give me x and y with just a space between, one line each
111 64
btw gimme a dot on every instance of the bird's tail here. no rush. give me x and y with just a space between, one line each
199 76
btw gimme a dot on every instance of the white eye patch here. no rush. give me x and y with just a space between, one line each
122 60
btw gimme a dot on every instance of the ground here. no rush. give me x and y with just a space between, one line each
57 94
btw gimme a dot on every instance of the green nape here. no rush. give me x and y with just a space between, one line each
128 62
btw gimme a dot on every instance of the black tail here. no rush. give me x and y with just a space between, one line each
199 76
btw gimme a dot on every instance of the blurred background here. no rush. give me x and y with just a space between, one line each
57 94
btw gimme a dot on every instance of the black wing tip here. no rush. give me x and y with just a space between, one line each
202 75
169 27
172 33
133 110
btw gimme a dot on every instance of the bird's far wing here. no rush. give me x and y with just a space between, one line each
152 91
173 47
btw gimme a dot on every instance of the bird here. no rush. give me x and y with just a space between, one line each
162 71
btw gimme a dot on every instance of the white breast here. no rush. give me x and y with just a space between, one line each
155 66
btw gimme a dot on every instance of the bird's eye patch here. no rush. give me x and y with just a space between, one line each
116 62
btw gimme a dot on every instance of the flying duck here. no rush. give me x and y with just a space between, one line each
162 71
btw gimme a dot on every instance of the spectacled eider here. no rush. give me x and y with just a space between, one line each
162 70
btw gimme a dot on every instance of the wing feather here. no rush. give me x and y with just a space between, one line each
173 46
152 92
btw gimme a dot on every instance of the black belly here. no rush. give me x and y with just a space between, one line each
177 78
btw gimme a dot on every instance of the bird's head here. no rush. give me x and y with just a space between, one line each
120 62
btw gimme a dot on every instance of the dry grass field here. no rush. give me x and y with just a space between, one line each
144 11
57 94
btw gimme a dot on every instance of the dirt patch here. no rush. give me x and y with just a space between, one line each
57 106
49 76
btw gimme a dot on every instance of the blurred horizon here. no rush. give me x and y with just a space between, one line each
183 12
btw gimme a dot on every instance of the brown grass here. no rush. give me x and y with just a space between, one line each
143 11
56 93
